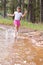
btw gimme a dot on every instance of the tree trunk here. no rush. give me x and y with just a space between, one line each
41 10
19 3
13 7
23 6
4 8
31 10
28 11
32 6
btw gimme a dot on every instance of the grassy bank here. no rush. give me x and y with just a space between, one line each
34 26
9 21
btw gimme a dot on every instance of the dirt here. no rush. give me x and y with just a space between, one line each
26 49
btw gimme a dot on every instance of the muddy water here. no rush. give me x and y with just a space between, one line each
27 49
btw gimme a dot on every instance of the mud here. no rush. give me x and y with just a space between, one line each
26 49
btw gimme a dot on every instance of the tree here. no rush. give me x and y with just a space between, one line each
23 6
32 9
4 3
28 11
19 3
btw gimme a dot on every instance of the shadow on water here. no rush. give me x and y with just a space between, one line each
27 49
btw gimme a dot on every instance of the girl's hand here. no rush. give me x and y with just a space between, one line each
25 11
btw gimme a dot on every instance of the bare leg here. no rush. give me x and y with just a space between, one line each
17 28
16 31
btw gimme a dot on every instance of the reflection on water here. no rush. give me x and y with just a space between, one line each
7 36
25 50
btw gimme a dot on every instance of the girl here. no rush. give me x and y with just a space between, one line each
17 18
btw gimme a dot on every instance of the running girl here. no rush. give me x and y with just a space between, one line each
18 15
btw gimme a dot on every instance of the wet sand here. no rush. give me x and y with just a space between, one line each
26 49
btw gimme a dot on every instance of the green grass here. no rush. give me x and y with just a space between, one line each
35 26
6 21
24 23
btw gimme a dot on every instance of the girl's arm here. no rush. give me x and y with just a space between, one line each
23 15
10 15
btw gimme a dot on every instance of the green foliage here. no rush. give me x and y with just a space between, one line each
12 4
35 10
